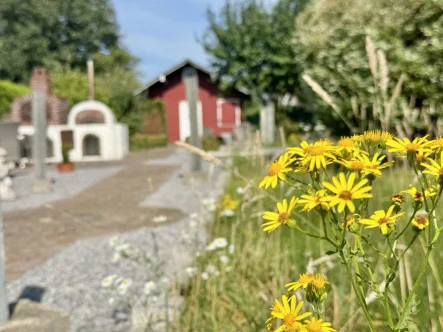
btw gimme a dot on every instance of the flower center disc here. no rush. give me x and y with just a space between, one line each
383 220
314 327
440 172
289 320
274 169
357 165
412 147
282 217
315 150
420 220
346 195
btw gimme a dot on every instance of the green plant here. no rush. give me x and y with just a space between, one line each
8 91
65 153
144 141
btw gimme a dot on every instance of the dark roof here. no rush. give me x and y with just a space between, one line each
175 68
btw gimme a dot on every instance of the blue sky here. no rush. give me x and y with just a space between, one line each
163 32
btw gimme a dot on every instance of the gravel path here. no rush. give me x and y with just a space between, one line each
64 186
72 279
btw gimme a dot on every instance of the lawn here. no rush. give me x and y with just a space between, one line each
238 296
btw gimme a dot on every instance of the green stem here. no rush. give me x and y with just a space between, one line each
407 225
360 296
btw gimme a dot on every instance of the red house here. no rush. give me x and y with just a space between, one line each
219 113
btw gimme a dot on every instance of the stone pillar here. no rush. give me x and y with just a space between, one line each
267 124
190 79
41 184
6 192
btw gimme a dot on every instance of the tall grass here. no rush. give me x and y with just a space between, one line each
239 300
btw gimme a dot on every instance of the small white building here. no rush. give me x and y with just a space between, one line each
96 135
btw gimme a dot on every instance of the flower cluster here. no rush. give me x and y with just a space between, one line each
338 182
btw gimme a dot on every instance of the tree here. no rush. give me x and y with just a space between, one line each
330 46
55 34
8 91
250 47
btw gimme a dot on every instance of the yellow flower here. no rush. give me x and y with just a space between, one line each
319 283
417 196
357 139
364 165
229 203
345 191
419 144
422 156
277 171
312 201
437 144
283 216
350 220
382 219
318 325
377 137
288 312
315 155
434 168
303 281
420 222
397 198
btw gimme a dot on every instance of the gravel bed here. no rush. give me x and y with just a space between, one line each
64 186
72 279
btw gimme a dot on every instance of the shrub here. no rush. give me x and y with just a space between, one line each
142 141
9 91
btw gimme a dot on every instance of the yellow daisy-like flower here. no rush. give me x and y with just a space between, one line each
315 155
418 196
357 139
318 325
434 168
397 198
310 201
420 222
437 144
406 146
283 216
422 156
303 281
382 219
345 191
364 165
348 148
229 203
377 137
350 220
288 311
277 171
318 282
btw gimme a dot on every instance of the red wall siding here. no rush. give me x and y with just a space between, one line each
173 91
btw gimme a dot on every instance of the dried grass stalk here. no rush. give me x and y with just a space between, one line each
384 71
370 51
203 154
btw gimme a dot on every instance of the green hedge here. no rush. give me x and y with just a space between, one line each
8 91
142 142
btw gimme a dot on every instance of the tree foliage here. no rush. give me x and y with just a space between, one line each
57 34
9 91
250 46
330 46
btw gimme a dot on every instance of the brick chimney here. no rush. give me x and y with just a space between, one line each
40 80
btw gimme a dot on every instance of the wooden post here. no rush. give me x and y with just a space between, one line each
190 79
4 309
267 123
91 79
39 151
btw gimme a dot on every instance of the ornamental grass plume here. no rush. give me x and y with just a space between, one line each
339 184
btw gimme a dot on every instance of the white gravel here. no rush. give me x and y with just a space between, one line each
64 186
72 278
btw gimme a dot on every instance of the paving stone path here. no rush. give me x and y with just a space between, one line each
68 275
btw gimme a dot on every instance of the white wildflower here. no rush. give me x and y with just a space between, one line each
210 268
164 281
108 281
193 215
231 249
193 224
116 257
216 273
149 287
123 286
205 276
208 201
111 301
240 190
154 299
197 254
224 259
191 271
113 241
211 246
123 247
220 242
228 269
159 219
228 213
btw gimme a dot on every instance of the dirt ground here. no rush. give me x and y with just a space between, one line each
110 206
